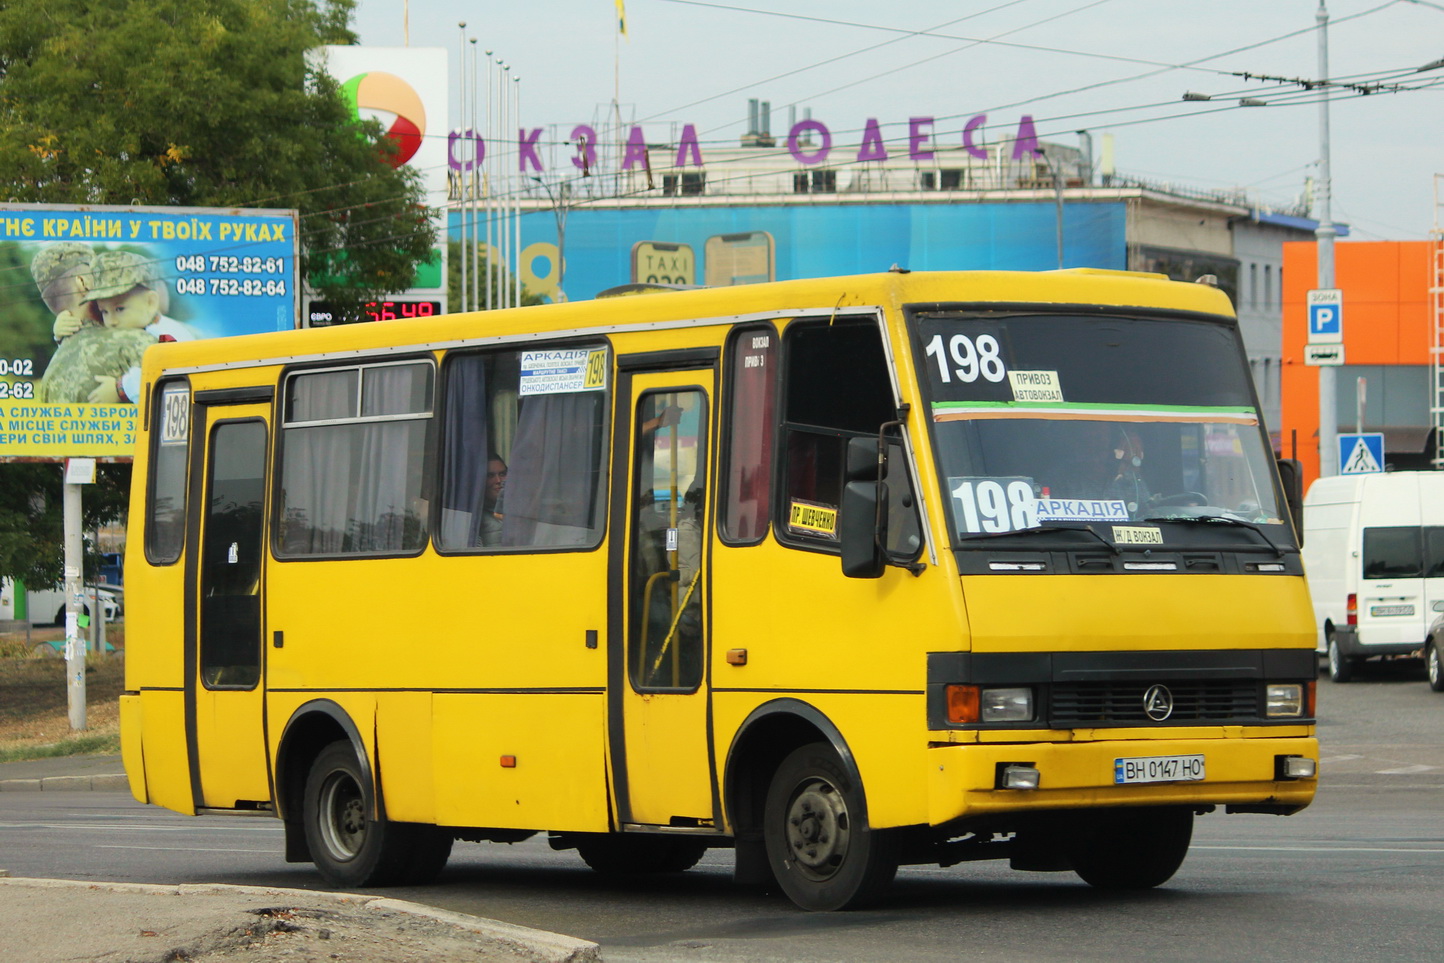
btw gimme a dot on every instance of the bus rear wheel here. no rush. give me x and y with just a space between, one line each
639 855
1130 848
348 846
821 851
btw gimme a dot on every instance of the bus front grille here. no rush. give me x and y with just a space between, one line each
1115 703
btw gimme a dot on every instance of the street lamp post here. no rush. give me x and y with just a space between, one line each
1325 234
559 208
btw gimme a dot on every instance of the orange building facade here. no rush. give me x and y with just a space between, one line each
1388 333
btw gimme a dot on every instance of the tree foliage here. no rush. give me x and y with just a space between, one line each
32 537
207 103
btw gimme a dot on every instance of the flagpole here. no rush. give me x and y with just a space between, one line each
461 174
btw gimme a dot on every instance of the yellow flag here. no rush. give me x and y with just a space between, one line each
622 17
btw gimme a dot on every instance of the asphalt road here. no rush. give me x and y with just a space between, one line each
1355 877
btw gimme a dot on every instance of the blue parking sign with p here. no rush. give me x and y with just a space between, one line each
1326 316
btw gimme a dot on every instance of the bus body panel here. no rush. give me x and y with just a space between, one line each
160 748
521 761
1097 613
863 633
884 749
404 731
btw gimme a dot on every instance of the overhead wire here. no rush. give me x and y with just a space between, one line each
1297 99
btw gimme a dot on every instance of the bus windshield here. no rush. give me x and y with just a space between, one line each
1071 420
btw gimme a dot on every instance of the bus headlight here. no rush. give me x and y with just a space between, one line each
1285 700
1006 705
970 704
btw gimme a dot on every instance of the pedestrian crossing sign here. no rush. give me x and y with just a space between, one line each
1361 454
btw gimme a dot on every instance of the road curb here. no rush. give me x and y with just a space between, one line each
538 945
106 782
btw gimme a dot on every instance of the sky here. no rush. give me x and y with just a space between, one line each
1118 67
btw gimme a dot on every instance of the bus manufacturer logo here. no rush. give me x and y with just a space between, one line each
1158 703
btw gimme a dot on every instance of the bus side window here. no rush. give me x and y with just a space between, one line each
836 387
747 480
353 460
523 464
169 455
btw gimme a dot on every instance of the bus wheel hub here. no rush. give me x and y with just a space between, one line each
817 828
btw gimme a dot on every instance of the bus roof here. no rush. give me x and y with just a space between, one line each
889 289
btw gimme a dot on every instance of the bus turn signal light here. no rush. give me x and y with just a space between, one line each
962 704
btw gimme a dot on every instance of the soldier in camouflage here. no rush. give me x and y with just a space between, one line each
62 272
92 354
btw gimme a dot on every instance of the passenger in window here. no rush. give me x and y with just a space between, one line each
1111 463
491 507
668 417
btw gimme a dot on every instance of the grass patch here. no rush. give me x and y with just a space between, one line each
108 744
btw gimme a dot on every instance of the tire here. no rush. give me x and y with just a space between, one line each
821 851
639 855
348 846
60 615
1130 848
1433 668
1341 667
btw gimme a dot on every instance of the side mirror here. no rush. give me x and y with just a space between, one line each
1291 480
862 517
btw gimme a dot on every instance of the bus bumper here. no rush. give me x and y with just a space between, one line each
966 780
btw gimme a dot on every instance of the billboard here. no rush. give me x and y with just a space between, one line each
405 89
84 290
742 243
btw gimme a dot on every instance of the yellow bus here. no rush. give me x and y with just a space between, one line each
842 574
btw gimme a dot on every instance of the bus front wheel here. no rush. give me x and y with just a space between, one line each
1130 848
349 847
821 851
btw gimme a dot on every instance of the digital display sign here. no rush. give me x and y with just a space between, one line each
320 314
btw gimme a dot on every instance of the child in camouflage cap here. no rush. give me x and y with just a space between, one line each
127 294
99 356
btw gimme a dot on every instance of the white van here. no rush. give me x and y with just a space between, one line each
47 606
1374 555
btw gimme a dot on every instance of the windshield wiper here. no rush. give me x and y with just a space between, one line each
1212 519
1040 530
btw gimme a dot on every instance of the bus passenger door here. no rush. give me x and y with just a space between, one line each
224 657
661 752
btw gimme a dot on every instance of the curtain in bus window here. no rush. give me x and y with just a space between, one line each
466 445
749 456
550 491
353 488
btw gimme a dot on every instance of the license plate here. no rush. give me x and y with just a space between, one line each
1157 769
1378 610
